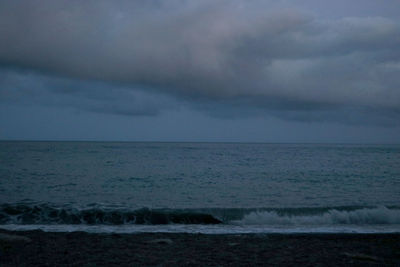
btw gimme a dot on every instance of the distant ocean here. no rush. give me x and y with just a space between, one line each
208 188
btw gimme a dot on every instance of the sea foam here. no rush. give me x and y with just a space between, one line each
364 216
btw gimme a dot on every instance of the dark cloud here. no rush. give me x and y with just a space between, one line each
267 55
25 88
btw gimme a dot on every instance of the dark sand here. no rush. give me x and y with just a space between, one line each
154 249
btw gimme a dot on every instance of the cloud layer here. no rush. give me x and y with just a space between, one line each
31 89
263 54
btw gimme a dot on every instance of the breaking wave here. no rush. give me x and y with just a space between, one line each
47 214
363 216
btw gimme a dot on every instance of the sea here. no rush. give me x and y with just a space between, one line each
209 188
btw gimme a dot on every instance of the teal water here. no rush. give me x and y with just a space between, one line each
253 184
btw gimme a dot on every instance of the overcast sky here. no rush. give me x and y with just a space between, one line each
200 70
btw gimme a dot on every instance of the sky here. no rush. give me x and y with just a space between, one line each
200 70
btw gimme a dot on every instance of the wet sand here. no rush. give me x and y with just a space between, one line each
37 248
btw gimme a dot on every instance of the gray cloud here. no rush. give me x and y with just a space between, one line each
260 54
26 88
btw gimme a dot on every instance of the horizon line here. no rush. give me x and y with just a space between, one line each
210 142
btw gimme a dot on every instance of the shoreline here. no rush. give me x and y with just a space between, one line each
30 248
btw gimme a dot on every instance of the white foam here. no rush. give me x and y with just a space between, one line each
366 216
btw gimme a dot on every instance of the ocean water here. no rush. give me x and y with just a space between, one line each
199 187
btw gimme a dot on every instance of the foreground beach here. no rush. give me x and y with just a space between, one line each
83 249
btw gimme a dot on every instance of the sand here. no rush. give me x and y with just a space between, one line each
38 248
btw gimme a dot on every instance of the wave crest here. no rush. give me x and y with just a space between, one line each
45 214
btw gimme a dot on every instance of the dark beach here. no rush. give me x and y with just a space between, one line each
34 248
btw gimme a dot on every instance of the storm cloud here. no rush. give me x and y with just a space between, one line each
26 88
267 55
